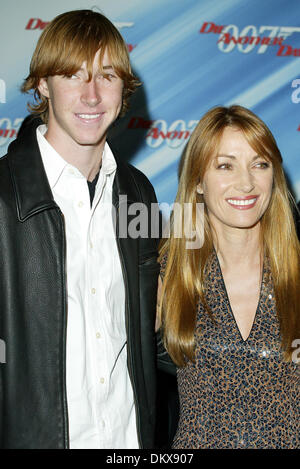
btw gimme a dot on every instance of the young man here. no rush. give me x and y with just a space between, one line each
77 292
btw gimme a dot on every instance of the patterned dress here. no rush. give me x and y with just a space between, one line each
237 394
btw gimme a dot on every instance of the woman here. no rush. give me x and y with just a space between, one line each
229 312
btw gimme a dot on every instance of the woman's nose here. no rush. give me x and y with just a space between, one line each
245 181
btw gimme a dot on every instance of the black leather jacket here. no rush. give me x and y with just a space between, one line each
33 303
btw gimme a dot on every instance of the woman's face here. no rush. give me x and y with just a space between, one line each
237 185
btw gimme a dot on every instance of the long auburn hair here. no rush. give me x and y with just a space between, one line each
184 277
69 40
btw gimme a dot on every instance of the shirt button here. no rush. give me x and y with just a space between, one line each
93 291
91 245
102 380
80 204
98 335
71 171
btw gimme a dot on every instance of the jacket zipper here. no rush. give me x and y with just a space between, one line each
65 402
130 366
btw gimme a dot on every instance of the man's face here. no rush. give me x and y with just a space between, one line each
80 112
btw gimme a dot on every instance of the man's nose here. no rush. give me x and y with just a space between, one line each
91 93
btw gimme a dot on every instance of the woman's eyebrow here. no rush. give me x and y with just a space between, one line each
234 157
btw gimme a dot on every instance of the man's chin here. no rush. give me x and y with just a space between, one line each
91 142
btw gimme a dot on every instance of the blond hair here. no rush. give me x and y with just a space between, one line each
185 271
71 39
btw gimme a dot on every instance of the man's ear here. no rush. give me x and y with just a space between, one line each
43 87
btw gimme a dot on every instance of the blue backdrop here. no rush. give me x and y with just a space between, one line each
190 55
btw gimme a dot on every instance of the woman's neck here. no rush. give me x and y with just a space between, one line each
238 247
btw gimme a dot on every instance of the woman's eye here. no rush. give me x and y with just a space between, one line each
263 165
224 166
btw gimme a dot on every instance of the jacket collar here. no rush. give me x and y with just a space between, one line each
31 186
124 185
32 190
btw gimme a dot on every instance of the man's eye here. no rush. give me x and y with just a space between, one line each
109 76
71 77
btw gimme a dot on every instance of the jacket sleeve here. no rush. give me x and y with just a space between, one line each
1 407
164 361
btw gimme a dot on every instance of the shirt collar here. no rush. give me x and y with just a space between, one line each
109 164
55 165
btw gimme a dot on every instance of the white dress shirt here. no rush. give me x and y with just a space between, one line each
99 392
